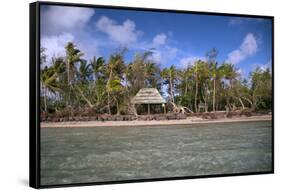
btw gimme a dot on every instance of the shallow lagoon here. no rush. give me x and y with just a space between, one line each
81 155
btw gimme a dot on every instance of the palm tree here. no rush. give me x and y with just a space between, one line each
261 85
84 71
98 67
137 78
151 74
115 72
142 72
185 76
169 74
185 87
211 56
73 56
83 74
205 82
113 87
48 79
201 73
196 87
214 72
197 70
228 72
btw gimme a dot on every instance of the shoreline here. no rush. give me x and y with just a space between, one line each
188 121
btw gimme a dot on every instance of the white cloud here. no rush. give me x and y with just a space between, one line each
190 60
157 57
248 48
159 39
55 45
249 45
164 55
162 51
235 56
124 33
60 19
89 49
60 24
171 52
264 66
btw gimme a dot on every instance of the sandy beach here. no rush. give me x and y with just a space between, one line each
188 121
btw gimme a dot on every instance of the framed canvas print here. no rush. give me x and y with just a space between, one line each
120 94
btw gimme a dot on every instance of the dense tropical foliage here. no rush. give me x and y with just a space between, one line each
108 85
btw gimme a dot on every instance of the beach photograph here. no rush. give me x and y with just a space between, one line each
143 94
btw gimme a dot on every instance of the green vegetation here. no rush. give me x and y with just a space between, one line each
71 83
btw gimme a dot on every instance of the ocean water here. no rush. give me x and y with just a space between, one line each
81 155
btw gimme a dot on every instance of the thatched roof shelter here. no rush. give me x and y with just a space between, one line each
148 96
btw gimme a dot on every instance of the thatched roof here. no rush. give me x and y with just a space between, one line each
148 96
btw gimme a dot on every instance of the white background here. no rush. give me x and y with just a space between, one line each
14 77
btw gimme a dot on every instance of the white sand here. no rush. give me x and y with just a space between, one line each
189 120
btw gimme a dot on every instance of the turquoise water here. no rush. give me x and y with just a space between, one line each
80 155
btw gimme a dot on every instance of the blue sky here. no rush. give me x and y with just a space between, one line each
178 39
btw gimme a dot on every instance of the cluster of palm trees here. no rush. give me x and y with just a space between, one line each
107 86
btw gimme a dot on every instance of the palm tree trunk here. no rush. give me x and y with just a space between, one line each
108 103
214 96
117 107
227 103
206 99
108 88
84 97
171 89
206 104
69 101
185 89
45 100
254 100
68 72
248 100
241 102
196 93
69 96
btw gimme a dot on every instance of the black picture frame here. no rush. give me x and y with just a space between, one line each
34 92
